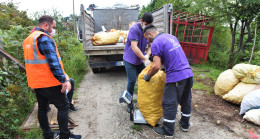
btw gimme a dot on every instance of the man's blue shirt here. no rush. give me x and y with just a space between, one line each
47 48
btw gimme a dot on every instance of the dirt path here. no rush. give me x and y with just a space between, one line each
101 115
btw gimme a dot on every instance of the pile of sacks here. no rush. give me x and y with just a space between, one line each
105 38
111 37
239 86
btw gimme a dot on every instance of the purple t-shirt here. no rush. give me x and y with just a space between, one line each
173 58
135 34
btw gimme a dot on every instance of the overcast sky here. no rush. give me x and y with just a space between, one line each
66 6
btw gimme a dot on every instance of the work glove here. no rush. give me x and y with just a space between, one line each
146 77
147 61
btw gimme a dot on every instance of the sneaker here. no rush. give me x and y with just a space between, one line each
56 135
72 108
72 136
161 131
183 128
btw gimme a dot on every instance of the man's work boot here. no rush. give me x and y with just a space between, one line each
161 131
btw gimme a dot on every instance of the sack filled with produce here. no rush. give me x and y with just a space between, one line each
226 81
253 116
105 38
247 73
250 100
237 94
150 95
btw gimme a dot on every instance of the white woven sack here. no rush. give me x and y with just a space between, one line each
253 116
250 100
226 81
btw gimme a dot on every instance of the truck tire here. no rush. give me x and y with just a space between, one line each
95 70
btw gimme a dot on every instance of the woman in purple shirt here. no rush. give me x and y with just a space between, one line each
166 50
134 53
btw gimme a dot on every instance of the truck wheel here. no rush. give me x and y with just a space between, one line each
95 70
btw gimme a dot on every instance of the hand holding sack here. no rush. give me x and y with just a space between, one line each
146 77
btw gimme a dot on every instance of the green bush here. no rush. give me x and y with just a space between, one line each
256 58
218 51
16 99
73 58
10 15
12 40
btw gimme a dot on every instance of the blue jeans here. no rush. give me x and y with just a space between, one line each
132 72
61 102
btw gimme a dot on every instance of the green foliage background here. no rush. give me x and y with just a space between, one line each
220 46
9 15
16 98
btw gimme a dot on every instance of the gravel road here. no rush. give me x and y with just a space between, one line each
101 116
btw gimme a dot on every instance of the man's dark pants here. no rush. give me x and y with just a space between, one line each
61 102
176 93
70 94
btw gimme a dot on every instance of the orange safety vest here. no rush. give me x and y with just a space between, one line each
39 75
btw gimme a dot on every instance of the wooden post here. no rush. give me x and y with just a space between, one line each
253 45
1 57
74 19
1 44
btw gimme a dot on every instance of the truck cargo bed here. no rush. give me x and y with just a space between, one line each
105 49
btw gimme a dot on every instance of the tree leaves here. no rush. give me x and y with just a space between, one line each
9 15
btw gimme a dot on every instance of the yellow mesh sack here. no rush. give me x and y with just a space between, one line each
150 95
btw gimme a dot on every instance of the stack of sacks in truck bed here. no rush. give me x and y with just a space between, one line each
105 38
236 83
111 37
